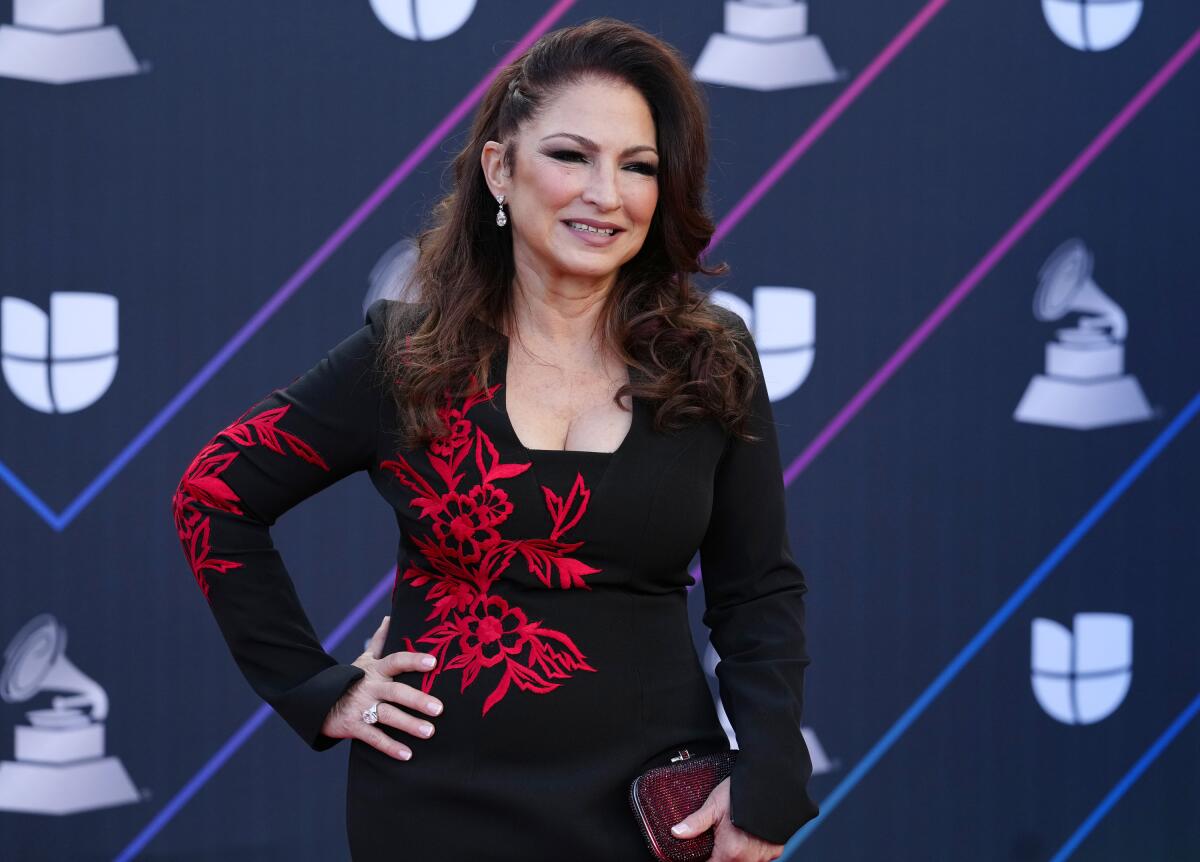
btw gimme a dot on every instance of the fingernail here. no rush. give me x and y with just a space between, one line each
428 661
679 828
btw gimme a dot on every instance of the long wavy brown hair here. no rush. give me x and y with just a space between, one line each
683 353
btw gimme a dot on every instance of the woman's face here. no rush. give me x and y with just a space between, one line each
588 158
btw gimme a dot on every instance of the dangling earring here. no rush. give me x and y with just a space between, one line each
501 218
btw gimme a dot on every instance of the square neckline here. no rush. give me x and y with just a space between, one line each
501 362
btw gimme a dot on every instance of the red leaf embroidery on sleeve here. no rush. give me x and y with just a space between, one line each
467 552
264 425
202 485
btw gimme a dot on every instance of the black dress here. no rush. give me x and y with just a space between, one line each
552 586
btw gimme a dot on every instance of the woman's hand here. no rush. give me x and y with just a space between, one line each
345 720
731 844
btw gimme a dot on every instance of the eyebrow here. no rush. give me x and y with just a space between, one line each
590 144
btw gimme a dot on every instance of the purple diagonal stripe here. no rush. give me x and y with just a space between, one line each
828 117
1010 238
284 293
376 594
354 617
1030 217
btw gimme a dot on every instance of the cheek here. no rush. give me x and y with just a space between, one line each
556 189
641 203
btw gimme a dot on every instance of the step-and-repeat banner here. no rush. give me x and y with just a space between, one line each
963 233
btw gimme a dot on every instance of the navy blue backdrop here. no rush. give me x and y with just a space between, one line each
1002 600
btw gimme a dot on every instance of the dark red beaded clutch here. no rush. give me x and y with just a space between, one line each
663 796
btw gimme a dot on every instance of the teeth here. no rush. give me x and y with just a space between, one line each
580 226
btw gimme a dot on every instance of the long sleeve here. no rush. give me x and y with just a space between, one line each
287 447
754 598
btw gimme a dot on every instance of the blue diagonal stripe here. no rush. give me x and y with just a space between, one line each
1048 565
1114 795
248 728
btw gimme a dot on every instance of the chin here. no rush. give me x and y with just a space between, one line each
600 265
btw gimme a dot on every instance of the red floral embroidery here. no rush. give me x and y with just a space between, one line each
202 484
467 553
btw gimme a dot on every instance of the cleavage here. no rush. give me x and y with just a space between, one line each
549 409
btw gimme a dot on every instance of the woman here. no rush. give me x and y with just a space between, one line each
559 422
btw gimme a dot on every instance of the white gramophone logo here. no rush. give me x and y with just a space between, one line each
60 766
1092 25
1081 677
423 20
766 46
1085 385
821 762
783 322
62 42
64 361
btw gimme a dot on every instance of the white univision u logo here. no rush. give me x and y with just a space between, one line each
783 321
1083 677
1092 25
64 361
423 20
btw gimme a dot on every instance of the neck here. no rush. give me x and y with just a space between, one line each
560 313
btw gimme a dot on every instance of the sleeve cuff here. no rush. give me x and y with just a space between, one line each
307 705
770 808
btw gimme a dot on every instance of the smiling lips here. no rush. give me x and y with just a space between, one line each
593 233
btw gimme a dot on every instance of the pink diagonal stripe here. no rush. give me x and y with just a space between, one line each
828 117
417 156
285 292
921 334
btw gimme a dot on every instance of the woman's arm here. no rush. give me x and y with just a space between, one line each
754 595
287 447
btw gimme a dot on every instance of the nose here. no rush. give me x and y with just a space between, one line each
601 189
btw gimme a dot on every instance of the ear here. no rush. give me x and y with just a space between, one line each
492 161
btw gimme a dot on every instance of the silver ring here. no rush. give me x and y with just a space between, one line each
370 716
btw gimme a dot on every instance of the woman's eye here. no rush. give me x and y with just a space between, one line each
571 155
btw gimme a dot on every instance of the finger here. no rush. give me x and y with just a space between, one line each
694 824
399 662
394 716
375 647
413 698
376 738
